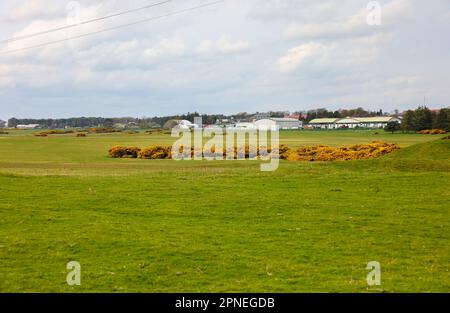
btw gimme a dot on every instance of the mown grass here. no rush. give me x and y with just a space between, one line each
167 226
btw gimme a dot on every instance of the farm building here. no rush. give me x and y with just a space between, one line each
347 123
282 123
378 122
353 122
324 123
27 126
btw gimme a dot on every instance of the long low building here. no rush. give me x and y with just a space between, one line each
282 123
353 122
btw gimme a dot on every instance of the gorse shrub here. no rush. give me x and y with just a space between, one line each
308 153
432 132
355 152
81 135
124 152
155 153
103 130
53 132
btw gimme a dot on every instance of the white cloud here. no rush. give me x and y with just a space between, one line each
338 54
224 45
35 9
403 80
355 25
166 48
239 55
298 56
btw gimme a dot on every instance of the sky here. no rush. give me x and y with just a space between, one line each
230 57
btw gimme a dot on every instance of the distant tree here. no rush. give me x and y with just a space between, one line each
13 122
423 119
392 127
442 120
109 122
170 124
408 121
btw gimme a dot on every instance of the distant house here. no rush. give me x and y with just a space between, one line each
2 124
27 126
353 122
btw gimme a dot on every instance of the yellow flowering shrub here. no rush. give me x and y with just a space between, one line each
155 153
124 152
354 152
432 132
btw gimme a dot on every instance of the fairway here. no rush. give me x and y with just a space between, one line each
197 226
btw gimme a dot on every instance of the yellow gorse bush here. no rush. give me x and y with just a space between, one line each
155 153
53 132
432 132
355 152
308 153
124 152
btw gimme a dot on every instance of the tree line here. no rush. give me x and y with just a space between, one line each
413 120
324 113
423 118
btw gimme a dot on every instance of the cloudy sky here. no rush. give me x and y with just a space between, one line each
252 55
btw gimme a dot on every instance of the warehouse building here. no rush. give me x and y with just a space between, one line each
281 123
353 122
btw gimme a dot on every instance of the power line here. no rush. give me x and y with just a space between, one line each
82 23
114 28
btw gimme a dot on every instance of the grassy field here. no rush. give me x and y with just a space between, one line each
197 226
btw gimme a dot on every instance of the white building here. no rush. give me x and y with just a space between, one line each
347 123
282 123
353 122
377 122
28 126
185 124
324 123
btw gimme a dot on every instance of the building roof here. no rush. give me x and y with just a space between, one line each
283 119
348 120
377 119
324 121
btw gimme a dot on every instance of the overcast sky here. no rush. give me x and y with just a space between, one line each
252 55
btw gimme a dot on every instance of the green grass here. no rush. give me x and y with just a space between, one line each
198 226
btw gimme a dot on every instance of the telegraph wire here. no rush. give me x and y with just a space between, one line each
115 28
83 22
